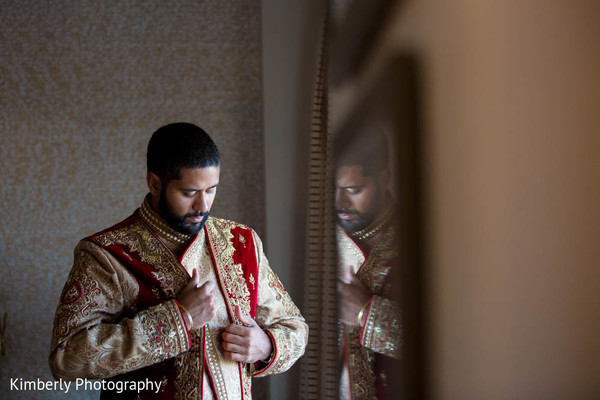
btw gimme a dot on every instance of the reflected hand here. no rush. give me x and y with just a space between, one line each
353 296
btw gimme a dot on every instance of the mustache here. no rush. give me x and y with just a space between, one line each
198 214
346 211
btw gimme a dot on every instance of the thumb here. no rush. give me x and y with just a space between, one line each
349 275
195 277
245 319
194 280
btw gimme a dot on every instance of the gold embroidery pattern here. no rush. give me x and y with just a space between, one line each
376 268
382 331
360 360
281 294
373 230
252 281
230 275
138 239
349 254
247 382
163 383
72 293
157 324
289 349
81 294
288 331
153 335
217 365
192 258
188 368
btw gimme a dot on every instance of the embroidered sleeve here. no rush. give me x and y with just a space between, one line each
277 314
382 332
97 331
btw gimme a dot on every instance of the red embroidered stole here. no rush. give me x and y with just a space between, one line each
236 264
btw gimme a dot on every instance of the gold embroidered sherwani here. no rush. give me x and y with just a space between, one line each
118 318
370 353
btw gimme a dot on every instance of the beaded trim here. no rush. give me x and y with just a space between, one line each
158 224
366 233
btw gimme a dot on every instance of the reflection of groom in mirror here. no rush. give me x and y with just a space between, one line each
368 254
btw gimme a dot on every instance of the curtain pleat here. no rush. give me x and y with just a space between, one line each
319 365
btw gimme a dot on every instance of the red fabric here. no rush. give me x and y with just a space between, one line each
245 254
141 270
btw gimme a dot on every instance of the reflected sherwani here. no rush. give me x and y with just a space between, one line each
370 353
118 318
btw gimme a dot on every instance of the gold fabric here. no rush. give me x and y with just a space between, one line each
103 328
381 336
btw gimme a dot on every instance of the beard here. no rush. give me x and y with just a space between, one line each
361 221
178 223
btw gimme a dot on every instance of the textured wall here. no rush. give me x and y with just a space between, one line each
83 86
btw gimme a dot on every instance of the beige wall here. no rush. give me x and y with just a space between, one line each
83 86
510 95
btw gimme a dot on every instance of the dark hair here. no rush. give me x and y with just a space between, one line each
180 145
365 147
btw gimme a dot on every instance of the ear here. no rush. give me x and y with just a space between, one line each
384 178
154 184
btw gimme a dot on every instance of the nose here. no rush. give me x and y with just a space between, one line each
341 199
200 203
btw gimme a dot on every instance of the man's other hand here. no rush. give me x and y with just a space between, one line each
247 343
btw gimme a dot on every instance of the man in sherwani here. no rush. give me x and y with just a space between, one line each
173 295
367 269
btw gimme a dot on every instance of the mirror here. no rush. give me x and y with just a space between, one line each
376 157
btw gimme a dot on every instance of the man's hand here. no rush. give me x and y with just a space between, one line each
353 296
199 301
248 343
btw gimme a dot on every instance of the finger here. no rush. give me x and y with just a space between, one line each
195 276
235 329
208 286
236 357
352 277
349 274
194 279
355 281
235 348
243 318
234 339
